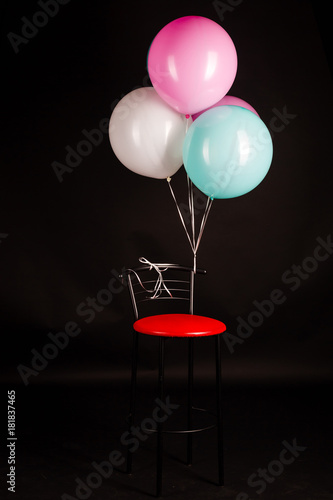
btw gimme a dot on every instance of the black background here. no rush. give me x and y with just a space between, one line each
60 242
65 238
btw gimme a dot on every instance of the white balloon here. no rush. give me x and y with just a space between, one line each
147 135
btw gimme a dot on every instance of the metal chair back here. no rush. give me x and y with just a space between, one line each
162 282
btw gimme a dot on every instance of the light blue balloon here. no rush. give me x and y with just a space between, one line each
227 151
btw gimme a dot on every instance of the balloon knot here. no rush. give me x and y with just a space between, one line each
187 116
169 179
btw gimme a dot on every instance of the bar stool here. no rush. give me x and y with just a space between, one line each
166 286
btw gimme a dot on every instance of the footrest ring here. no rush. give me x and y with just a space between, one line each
184 431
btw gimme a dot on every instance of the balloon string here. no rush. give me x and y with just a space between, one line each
203 221
180 214
159 285
191 207
193 242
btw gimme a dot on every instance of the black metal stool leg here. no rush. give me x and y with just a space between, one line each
133 394
190 401
160 424
219 409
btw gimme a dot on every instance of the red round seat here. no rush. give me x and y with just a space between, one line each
179 325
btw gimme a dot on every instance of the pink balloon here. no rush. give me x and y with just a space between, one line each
192 63
228 100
